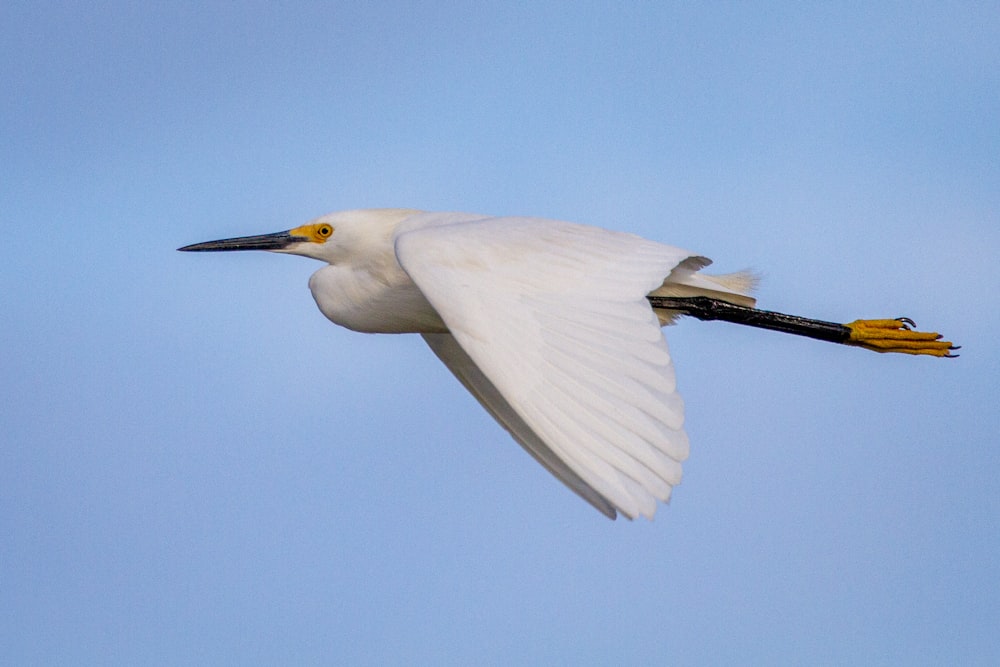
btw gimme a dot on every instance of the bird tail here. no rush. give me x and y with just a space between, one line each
686 281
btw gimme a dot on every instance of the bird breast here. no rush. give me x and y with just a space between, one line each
361 300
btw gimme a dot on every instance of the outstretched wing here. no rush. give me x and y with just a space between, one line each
464 368
568 354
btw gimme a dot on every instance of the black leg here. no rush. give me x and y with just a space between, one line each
893 335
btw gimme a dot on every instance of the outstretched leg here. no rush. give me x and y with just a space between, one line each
894 335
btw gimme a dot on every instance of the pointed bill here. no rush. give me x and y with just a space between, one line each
276 241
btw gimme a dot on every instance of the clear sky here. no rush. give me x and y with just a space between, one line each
197 468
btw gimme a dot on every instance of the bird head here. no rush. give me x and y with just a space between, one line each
327 238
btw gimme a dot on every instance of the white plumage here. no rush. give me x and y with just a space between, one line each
555 317
546 323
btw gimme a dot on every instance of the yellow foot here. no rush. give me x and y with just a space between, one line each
897 336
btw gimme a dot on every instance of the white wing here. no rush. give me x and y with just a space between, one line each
571 355
458 362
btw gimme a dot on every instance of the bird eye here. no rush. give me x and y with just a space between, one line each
324 231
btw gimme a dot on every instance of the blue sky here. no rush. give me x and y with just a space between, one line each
197 468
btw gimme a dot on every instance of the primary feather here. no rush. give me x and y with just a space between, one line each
555 316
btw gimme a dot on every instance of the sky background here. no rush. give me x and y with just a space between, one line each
197 468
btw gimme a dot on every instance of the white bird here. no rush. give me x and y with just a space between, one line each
554 327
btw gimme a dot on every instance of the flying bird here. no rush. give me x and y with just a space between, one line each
554 327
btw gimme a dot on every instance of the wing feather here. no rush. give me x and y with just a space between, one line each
551 332
458 362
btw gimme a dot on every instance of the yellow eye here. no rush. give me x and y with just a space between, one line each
323 232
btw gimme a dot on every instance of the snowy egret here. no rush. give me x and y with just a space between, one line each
554 327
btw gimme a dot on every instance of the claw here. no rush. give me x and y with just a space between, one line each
897 336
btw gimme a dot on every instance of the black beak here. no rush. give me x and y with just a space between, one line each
276 241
